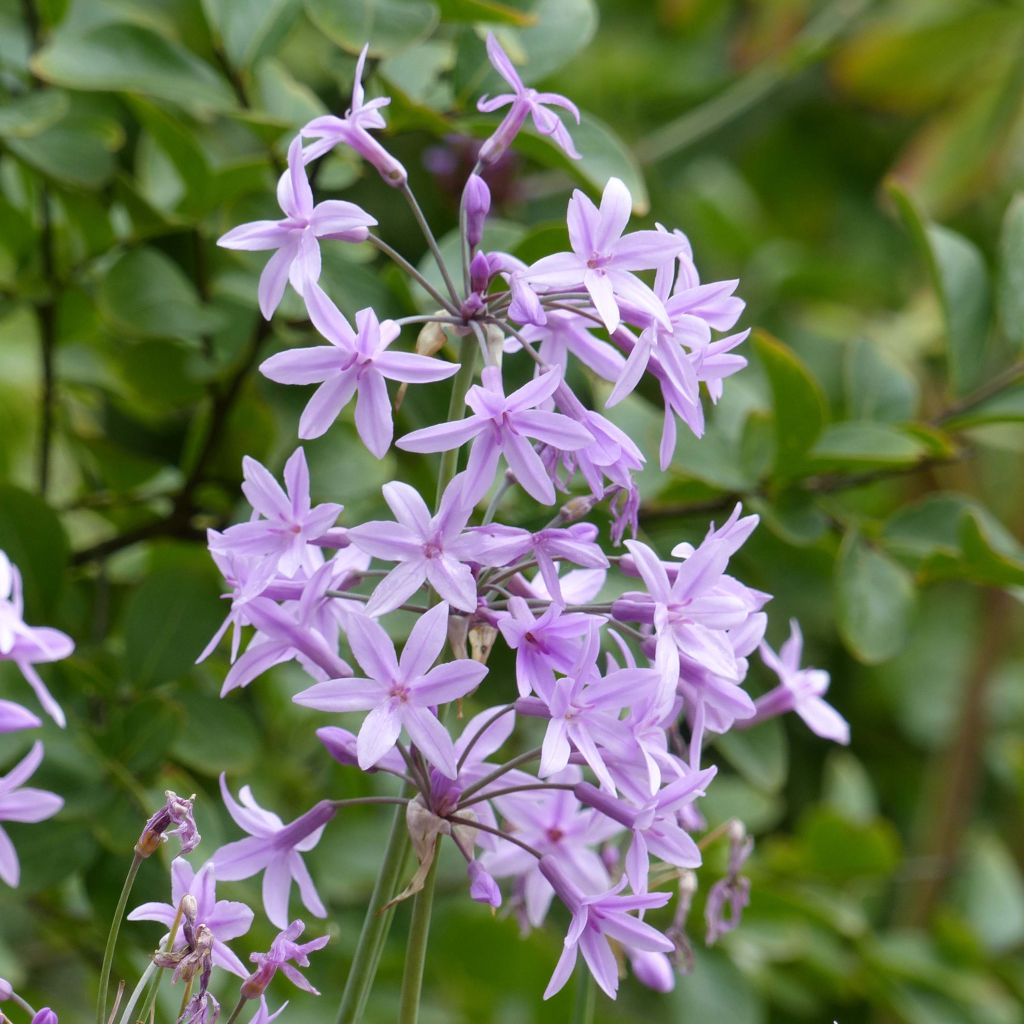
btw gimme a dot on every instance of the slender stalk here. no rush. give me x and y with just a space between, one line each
507 836
397 257
136 992
375 925
416 948
483 728
492 508
428 234
154 988
457 409
504 769
585 999
526 788
237 1010
115 928
369 801
27 1007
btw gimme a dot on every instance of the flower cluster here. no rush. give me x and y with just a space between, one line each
26 646
579 779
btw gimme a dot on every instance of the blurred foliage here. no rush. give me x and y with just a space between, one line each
857 165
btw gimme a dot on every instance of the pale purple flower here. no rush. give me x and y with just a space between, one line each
14 717
273 848
800 690
729 896
6 991
555 824
429 549
602 260
653 970
283 951
595 920
263 1014
19 802
284 520
28 645
694 612
565 334
226 919
297 236
353 130
400 693
502 425
44 1016
525 103
202 1008
355 363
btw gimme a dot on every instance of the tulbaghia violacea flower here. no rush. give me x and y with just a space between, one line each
503 425
284 520
28 645
226 919
524 103
284 951
352 130
800 690
176 811
603 260
595 920
729 896
355 363
432 549
400 693
19 802
275 849
297 236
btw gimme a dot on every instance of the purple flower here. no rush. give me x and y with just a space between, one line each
273 848
352 130
565 333
44 1016
800 690
283 949
602 259
595 920
476 203
225 919
524 103
14 717
356 362
400 693
296 237
729 896
19 802
263 1014
284 521
429 549
28 645
501 426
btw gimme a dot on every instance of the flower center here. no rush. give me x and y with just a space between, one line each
399 692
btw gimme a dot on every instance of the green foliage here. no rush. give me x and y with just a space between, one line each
855 165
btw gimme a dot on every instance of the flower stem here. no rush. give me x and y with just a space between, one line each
585 999
375 924
115 928
457 409
398 258
134 997
237 1010
416 949
428 234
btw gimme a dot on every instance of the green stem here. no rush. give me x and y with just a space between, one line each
457 408
237 1010
428 234
134 997
586 997
115 928
375 925
416 948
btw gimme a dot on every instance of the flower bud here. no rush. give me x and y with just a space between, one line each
476 199
481 641
482 887
479 273
5 990
653 970
45 1016
189 907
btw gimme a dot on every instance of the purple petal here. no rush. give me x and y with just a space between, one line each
275 277
442 437
325 406
397 587
453 581
373 414
277 883
372 648
431 738
303 365
256 236
377 736
448 682
413 369
340 695
425 643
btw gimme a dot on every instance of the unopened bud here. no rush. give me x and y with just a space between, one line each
189 907
481 641
477 203
479 273
577 508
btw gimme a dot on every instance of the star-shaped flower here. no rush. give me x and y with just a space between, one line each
19 802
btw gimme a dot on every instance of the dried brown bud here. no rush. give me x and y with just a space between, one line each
481 641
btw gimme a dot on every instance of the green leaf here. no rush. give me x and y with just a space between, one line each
560 30
875 601
78 151
141 734
220 736
877 386
131 59
1010 283
798 405
248 28
389 26
1006 407
760 755
864 445
716 990
930 527
168 622
990 554
146 295
29 115
843 850
34 540
960 278
990 893
489 11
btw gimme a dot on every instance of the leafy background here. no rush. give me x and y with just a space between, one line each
855 164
